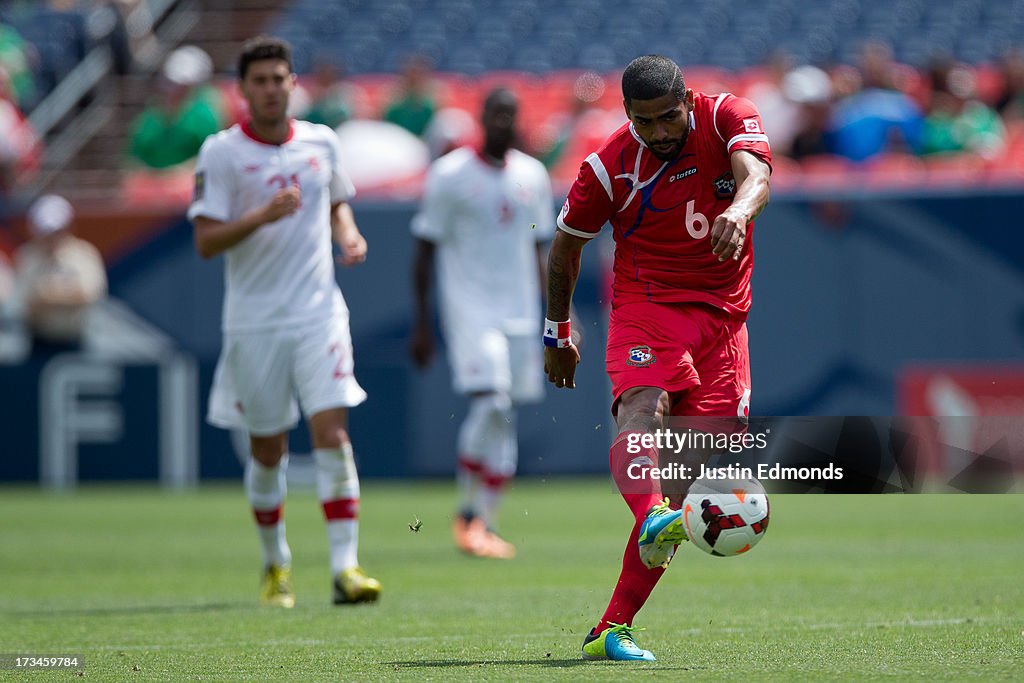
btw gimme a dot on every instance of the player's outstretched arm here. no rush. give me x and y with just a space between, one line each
563 270
729 232
421 345
213 237
346 235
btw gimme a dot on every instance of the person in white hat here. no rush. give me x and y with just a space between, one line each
184 111
58 278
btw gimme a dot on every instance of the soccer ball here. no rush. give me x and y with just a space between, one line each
725 517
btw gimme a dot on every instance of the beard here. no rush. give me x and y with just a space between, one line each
677 147
673 153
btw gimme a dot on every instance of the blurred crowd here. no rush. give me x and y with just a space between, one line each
41 42
854 113
878 106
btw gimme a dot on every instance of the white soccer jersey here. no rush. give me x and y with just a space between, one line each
282 274
486 221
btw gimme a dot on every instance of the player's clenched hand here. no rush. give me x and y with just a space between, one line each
353 249
560 365
728 235
284 203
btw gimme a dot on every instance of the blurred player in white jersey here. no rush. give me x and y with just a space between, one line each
485 215
271 194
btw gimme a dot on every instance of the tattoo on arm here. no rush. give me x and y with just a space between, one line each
563 270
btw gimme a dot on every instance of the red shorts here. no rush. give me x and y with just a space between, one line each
695 352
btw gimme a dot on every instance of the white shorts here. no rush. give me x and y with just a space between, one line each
260 375
507 358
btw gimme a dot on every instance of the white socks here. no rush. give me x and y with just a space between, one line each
487 454
337 485
500 467
265 487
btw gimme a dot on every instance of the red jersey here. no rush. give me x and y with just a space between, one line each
662 211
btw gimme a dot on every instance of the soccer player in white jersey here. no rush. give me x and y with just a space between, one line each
271 194
485 215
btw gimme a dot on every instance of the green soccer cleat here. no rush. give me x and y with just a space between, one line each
660 533
353 585
615 643
276 587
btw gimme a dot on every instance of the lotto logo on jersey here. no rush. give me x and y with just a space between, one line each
640 356
683 174
752 126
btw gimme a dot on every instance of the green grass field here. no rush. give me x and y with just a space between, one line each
148 585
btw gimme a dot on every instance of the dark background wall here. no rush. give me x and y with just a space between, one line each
849 291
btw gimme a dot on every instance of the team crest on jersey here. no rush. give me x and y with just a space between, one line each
725 185
640 356
199 187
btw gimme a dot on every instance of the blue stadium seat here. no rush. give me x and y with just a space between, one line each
467 59
599 57
536 35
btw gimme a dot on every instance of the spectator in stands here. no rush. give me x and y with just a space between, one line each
810 90
13 345
16 58
19 145
331 104
957 121
1010 103
59 277
449 129
6 281
186 110
415 104
878 118
563 127
780 114
107 22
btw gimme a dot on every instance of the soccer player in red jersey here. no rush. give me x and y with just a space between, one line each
680 184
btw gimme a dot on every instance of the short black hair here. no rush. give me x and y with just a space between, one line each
263 47
650 77
500 96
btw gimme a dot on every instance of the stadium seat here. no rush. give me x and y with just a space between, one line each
786 174
1006 170
828 171
955 170
894 170
153 188
548 35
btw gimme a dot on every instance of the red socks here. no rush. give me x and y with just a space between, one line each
634 586
630 466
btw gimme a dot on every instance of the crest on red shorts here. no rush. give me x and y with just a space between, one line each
640 356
